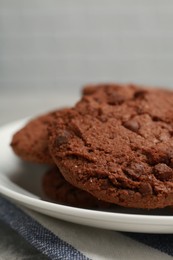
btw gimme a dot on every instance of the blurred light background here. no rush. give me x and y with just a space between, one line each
50 48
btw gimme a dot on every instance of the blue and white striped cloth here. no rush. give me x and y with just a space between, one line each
62 240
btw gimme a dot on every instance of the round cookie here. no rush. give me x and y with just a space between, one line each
117 144
57 189
31 142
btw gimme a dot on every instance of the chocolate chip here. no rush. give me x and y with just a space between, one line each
104 184
155 156
155 118
100 111
89 90
123 195
140 94
163 172
115 99
139 168
145 189
62 139
101 116
132 125
135 170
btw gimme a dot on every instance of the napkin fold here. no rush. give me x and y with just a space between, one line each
58 239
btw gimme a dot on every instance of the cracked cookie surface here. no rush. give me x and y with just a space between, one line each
117 144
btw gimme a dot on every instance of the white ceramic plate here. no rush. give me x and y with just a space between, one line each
21 182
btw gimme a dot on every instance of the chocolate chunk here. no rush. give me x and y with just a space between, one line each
135 170
132 125
140 94
155 118
155 156
163 172
145 189
139 168
115 99
89 90
62 139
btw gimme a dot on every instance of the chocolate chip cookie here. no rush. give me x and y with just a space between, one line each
117 144
57 189
31 142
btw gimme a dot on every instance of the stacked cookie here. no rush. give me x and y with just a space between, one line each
115 146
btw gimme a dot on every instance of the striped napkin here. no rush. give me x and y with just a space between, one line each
58 239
